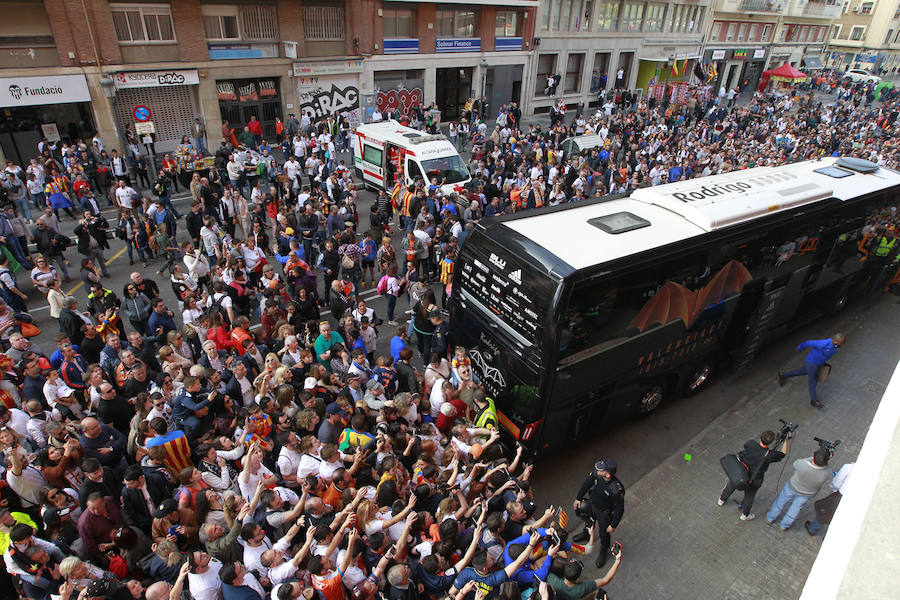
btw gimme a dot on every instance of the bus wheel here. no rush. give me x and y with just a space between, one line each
651 399
697 379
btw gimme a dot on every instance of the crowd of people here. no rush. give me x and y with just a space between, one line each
253 441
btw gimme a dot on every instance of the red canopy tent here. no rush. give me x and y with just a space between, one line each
787 73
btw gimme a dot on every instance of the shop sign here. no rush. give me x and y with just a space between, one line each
401 46
507 43
761 53
742 54
340 67
52 89
457 45
145 79
718 54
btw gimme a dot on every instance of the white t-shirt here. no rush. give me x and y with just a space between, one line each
206 585
124 196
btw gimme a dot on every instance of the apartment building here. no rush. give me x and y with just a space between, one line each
72 68
866 35
588 42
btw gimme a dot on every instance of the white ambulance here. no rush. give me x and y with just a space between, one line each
382 151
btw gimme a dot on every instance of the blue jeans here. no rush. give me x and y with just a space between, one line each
812 374
814 526
787 497
12 242
24 208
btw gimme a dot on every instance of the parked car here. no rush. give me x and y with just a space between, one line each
861 75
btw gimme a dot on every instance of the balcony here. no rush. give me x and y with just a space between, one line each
766 6
822 9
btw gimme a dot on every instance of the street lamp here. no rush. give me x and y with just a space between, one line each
484 67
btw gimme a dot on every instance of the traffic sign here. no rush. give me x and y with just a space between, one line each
144 128
141 113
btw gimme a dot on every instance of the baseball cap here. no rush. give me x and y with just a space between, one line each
607 464
334 409
310 383
166 508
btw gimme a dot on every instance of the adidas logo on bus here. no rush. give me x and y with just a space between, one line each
516 276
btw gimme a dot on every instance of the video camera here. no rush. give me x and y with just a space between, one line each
787 428
827 446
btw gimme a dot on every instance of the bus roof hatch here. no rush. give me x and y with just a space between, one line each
734 200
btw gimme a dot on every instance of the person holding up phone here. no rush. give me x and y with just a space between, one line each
568 587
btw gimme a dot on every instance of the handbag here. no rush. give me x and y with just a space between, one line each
29 329
823 372
347 262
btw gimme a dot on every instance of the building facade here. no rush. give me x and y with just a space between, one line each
603 44
866 35
74 68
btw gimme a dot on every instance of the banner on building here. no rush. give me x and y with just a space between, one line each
267 88
225 91
247 93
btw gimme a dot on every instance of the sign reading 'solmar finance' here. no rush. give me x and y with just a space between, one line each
457 45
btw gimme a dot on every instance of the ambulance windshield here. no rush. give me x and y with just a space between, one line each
451 168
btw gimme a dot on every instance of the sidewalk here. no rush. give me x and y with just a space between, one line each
679 544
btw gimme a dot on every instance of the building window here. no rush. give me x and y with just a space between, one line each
742 32
656 15
143 24
399 23
585 16
545 67
729 35
754 31
857 32
456 23
632 16
565 18
887 38
607 16
324 23
696 22
546 7
821 37
866 8
836 31
251 23
574 64
716 31
767 29
508 23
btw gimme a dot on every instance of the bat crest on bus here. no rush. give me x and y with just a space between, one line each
488 373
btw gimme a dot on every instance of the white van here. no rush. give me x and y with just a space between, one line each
381 150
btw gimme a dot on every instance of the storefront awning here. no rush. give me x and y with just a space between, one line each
812 62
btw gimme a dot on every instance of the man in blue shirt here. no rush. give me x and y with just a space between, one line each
820 352
480 571
526 574
161 317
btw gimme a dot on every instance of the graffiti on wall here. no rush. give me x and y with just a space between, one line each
323 102
403 99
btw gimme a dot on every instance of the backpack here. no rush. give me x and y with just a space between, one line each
382 285
216 307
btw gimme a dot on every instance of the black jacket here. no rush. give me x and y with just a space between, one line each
194 222
70 324
605 496
135 510
95 229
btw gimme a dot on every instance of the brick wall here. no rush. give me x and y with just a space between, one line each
189 31
488 23
290 23
426 13
69 24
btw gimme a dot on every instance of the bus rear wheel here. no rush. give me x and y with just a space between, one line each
650 399
697 379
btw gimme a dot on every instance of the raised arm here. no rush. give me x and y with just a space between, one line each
348 556
473 545
525 555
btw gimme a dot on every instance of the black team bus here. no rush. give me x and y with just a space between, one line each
586 314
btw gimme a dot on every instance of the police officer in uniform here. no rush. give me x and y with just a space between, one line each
604 507
883 261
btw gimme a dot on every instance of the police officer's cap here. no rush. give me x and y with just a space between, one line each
607 464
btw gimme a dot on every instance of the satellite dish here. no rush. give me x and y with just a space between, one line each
856 164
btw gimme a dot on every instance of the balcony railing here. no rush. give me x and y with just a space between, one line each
821 9
769 6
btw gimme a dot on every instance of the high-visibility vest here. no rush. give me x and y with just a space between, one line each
885 246
487 416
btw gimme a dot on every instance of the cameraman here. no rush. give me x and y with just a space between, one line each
810 474
756 456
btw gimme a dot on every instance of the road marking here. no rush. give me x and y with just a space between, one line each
108 262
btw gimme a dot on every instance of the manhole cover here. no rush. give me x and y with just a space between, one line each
876 387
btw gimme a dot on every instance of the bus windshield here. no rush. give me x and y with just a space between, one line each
450 167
